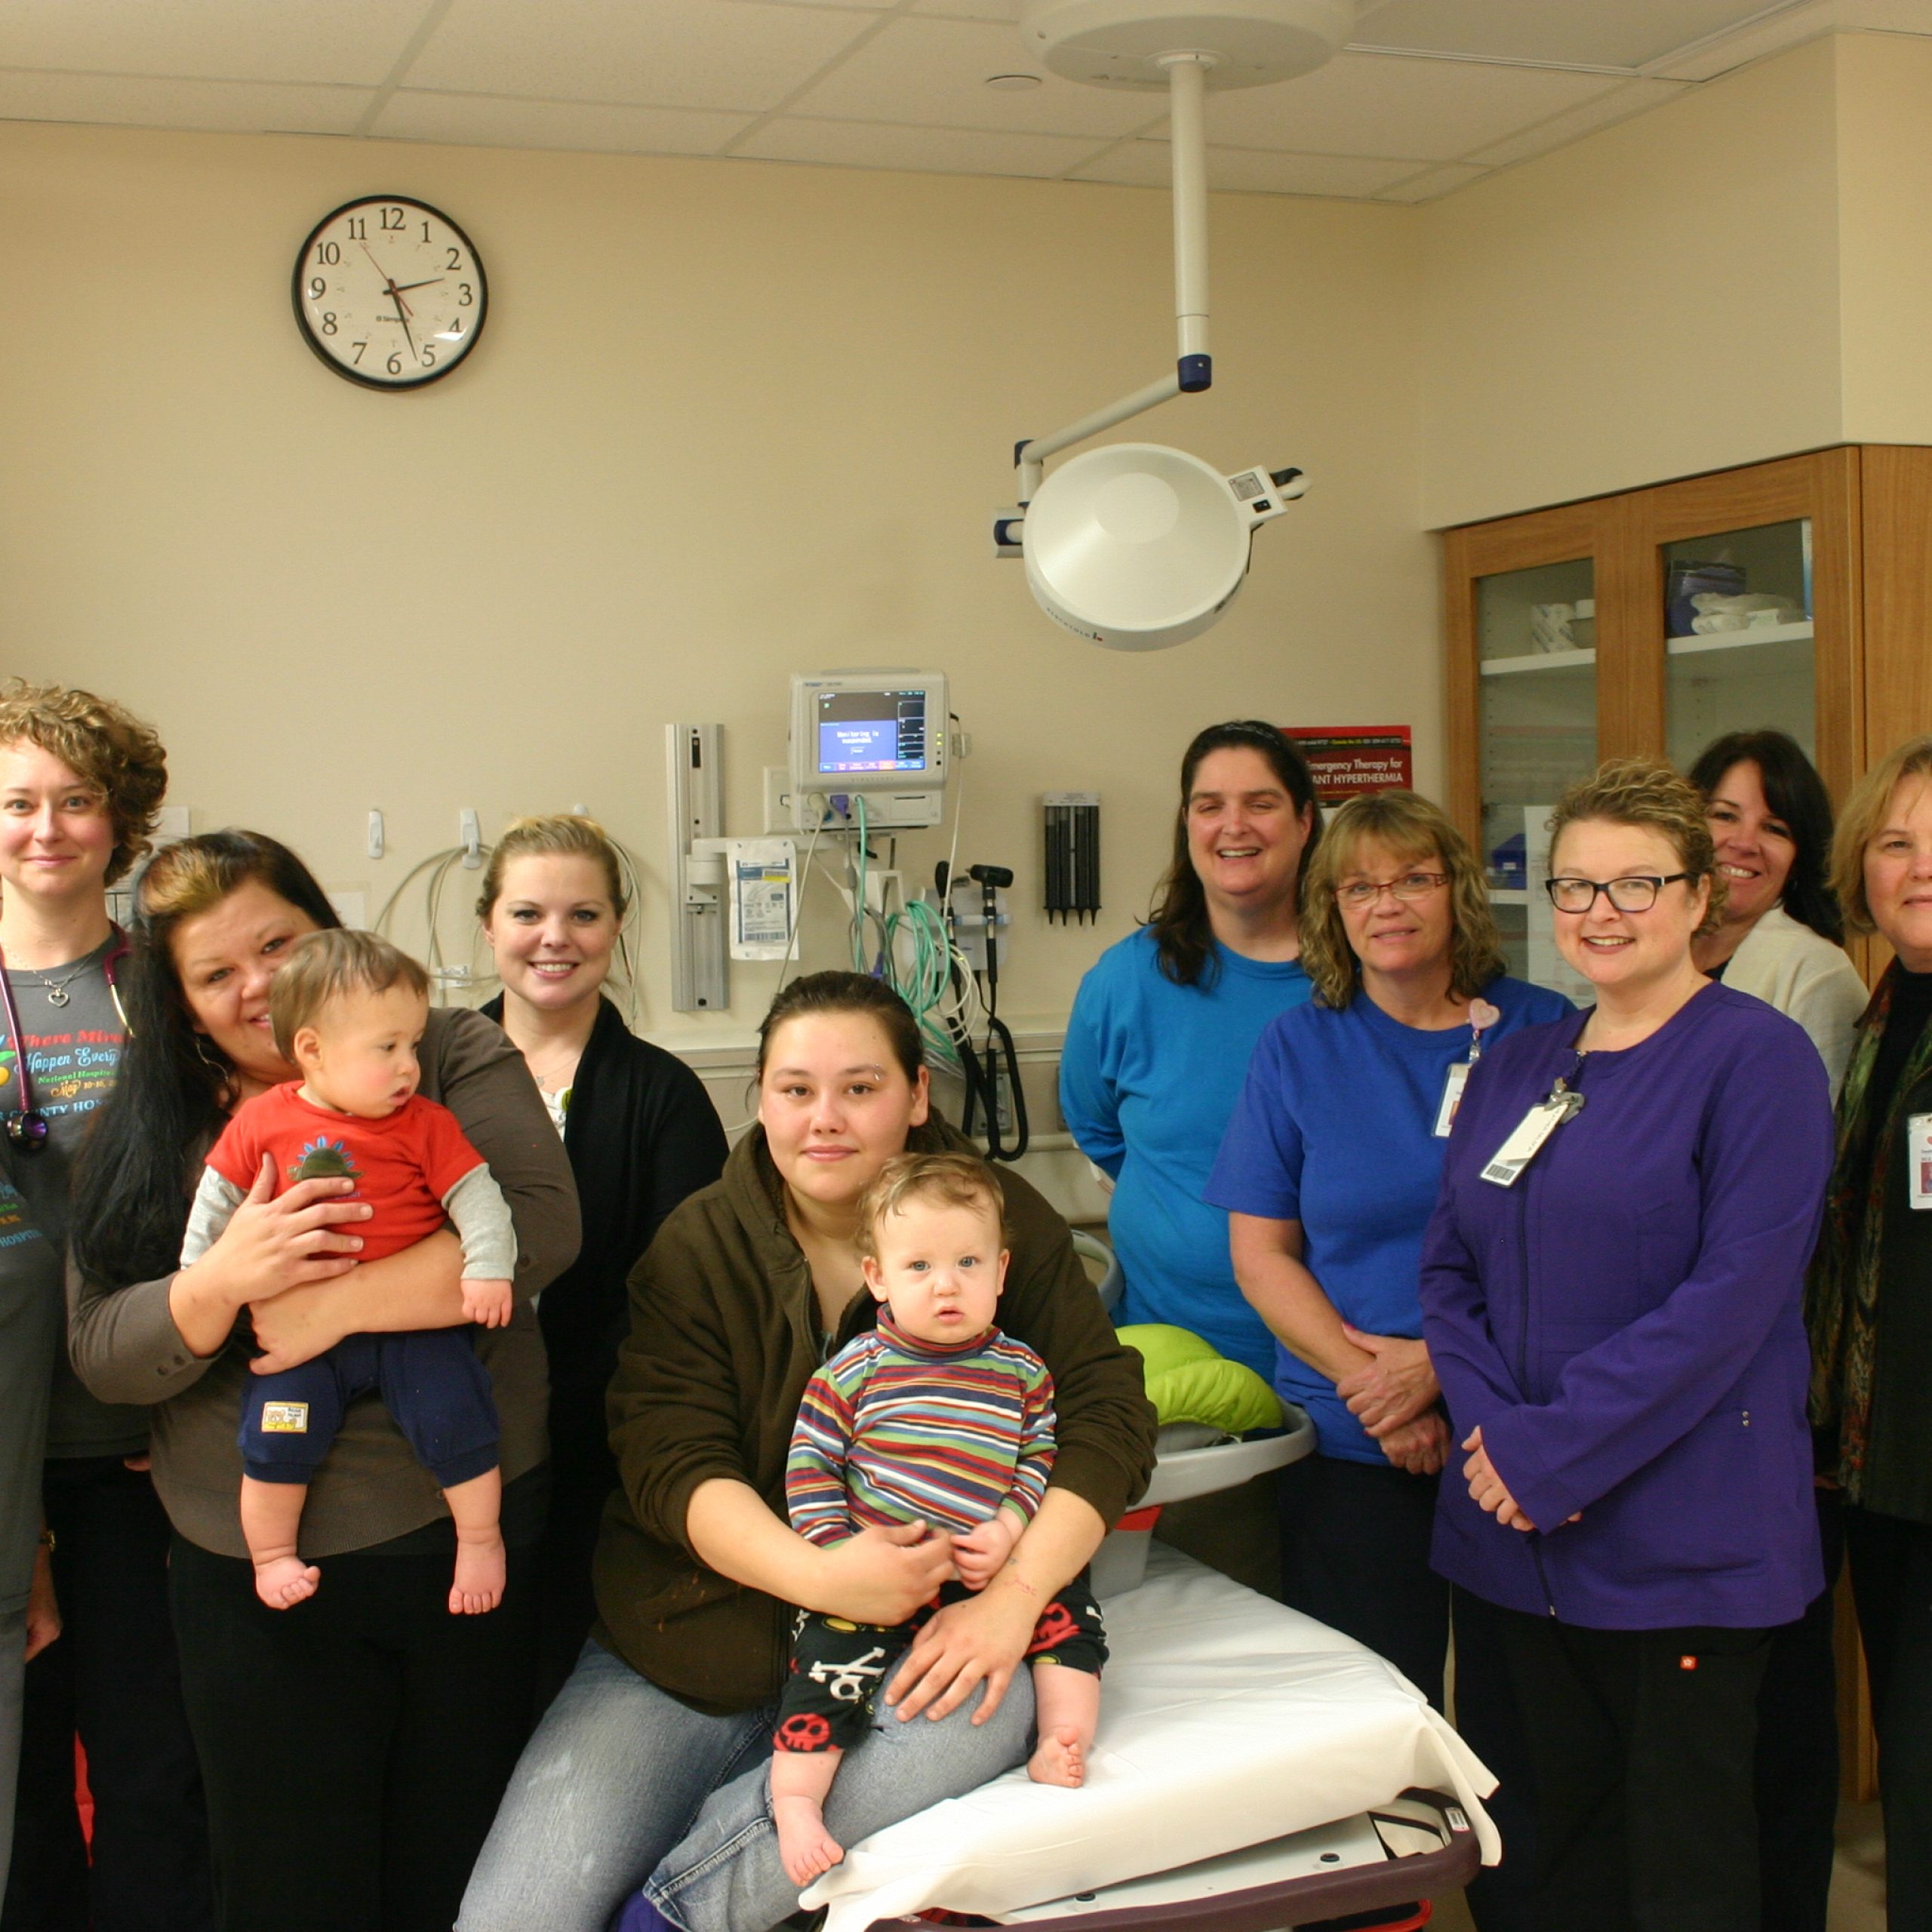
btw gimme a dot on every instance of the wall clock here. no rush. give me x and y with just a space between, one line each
390 292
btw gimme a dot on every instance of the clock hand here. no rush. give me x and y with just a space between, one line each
389 282
429 283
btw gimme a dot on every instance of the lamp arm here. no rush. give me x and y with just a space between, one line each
1187 87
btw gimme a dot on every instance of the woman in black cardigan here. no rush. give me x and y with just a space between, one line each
641 1133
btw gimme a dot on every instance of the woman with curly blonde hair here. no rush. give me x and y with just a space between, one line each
81 780
1610 1294
1329 1170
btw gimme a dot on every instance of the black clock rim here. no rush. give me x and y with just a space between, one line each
398 386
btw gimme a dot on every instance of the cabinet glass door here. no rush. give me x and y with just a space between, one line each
1535 638
1737 636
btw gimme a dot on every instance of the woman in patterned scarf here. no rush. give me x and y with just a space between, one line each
1868 1309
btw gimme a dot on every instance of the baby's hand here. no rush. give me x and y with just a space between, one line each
978 1557
489 1304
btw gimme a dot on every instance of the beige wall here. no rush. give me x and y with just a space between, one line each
728 421
1659 300
1884 86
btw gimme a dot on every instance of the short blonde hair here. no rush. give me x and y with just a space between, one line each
1414 830
110 749
558 835
325 966
1646 792
1860 821
947 1180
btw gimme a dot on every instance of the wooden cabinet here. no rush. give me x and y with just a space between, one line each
1796 594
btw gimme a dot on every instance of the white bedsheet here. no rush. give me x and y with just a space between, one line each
1226 1720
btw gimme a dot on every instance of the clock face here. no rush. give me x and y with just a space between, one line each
390 292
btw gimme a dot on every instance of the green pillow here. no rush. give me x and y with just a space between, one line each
1188 1381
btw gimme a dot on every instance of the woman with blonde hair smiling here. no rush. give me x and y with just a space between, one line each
641 1133
1868 1307
1329 1169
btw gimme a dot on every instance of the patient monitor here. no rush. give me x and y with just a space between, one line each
879 736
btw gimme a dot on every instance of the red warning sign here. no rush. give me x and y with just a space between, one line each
1348 758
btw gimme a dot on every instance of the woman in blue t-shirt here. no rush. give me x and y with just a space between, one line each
1329 1170
1164 1024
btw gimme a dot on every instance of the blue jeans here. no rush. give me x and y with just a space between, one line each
624 1786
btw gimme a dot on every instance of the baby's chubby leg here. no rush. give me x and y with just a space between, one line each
271 1521
476 1509
1066 1709
800 1781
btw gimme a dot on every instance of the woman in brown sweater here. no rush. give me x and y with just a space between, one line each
354 1748
650 1766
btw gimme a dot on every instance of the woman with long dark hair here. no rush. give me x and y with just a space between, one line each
1781 936
354 1748
1165 1023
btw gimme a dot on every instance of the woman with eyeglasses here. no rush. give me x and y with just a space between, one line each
80 780
1867 1304
1610 1293
1329 1170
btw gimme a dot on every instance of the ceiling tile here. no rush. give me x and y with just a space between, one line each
921 150
1443 178
724 54
934 72
488 121
1784 29
1633 97
1607 33
239 107
350 40
1147 164
1378 104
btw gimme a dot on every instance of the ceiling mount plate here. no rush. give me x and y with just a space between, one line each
1118 43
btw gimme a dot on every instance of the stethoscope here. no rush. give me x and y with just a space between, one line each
27 1129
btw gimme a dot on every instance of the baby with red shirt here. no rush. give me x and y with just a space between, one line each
349 1009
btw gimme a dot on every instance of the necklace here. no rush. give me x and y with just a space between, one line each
56 990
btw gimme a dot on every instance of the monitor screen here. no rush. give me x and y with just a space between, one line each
881 731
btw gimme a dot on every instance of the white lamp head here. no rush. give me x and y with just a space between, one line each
1136 546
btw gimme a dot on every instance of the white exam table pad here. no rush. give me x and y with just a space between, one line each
1226 1720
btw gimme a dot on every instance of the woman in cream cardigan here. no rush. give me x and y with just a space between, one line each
1781 938
1771 822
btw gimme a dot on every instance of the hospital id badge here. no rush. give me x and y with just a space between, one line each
1918 1158
1452 1098
1505 1165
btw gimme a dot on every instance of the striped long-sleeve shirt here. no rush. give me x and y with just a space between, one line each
894 1430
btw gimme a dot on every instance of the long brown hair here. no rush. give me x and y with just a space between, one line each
1182 937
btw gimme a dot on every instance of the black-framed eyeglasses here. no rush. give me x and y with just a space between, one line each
1410 886
1636 892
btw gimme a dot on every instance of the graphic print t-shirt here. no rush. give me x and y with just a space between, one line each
402 1165
73 1057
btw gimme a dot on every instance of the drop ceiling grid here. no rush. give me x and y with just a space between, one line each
1433 93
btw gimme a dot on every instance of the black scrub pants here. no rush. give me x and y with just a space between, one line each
1642 1745
1891 1579
112 1676
355 1747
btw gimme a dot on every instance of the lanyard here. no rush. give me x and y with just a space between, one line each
25 1126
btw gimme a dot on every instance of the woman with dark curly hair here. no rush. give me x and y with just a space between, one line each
80 782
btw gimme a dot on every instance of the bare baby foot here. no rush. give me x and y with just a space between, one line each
282 1582
805 1848
1060 1758
478 1585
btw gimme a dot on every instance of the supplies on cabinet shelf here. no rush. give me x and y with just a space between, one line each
1755 609
1564 626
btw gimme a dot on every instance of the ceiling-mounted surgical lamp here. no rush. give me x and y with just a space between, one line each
1135 545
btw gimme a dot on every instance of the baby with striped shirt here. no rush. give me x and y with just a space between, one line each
934 1417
